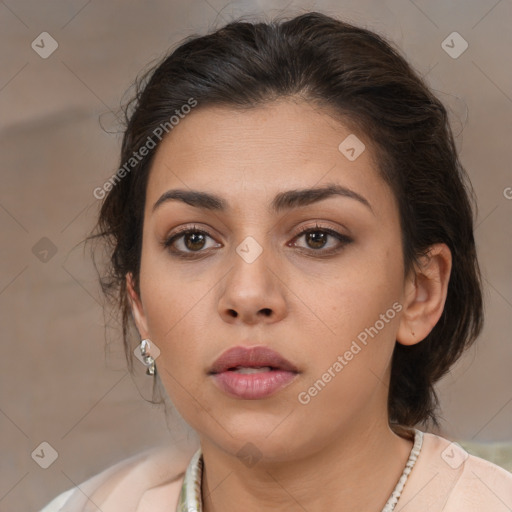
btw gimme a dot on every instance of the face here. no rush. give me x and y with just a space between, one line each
327 299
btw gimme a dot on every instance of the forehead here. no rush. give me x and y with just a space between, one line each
249 155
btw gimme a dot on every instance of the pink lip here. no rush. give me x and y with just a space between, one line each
257 356
255 385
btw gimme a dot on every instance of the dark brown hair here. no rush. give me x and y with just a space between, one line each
361 79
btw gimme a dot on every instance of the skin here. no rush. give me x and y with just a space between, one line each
306 306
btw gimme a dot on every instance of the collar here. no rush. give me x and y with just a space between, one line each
190 495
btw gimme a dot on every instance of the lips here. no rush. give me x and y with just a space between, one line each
236 372
253 357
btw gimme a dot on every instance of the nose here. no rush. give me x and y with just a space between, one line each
253 291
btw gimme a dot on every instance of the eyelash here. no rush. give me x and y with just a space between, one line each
168 242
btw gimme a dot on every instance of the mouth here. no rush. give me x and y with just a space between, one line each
256 359
252 373
250 369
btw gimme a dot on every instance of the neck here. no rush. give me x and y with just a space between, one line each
357 471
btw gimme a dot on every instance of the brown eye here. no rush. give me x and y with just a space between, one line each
194 240
317 237
187 242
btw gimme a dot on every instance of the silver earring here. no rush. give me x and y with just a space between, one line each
148 360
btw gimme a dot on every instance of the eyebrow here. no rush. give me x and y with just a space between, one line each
281 202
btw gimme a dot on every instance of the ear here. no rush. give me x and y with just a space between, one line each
426 288
137 309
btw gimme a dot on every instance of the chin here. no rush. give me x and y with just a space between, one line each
274 440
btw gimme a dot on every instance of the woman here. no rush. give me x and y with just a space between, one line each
291 232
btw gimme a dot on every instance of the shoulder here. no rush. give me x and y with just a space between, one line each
448 478
139 483
481 483
58 502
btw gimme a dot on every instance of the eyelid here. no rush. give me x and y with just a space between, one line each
168 240
321 227
342 238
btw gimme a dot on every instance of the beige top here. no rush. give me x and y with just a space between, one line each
445 478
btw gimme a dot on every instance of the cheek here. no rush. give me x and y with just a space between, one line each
355 296
169 304
171 290
357 317
175 325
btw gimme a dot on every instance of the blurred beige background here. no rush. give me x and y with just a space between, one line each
63 378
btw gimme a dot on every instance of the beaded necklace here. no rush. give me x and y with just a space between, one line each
190 496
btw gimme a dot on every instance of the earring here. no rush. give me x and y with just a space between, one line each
148 360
